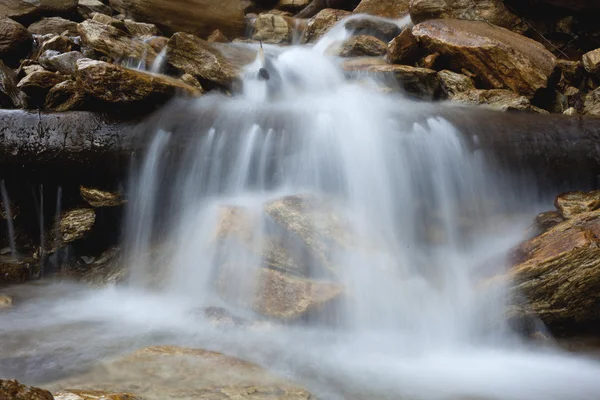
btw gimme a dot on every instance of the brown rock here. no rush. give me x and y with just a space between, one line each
381 29
321 23
429 61
217 37
190 80
114 43
492 11
271 28
64 63
498 57
108 20
66 96
383 8
37 85
316 6
16 271
28 10
5 301
54 26
10 95
140 29
292 5
363 46
199 59
86 8
198 17
13 390
100 198
15 41
403 49
93 395
116 84
453 84
75 224
571 71
158 43
573 203
591 103
545 221
62 44
591 61
497 99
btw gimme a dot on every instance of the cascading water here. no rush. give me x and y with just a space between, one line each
427 221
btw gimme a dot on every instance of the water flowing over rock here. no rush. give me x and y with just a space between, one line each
14 390
116 84
15 41
140 29
321 23
55 26
384 8
61 44
363 46
498 58
198 17
93 395
492 11
26 10
572 203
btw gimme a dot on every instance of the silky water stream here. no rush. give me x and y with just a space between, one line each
430 219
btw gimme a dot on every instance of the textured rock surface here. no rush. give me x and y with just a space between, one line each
271 28
379 28
100 198
321 23
55 26
64 63
572 203
363 46
38 84
10 95
591 61
75 224
453 84
86 8
66 96
498 58
384 8
497 99
93 395
15 41
26 10
17 271
403 49
13 390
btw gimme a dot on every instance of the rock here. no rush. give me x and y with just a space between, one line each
591 62
66 96
497 99
572 203
64 63
5 301
381 29
140 29
292 5
499 58
403 49
150 375
13 390
86 8
222 317
363 46
429 61
591 103
61 44
37 85
10 95
199 59
16 271
197 17
75 224
271 28
54 26
545 221
93 395
384 8
452 83
108 20
559 274
107 269
316 6
99 198
492 11
321 23
29 10
115 43
116 84
15 41
284 297
190 80
158 43
571 72
217 37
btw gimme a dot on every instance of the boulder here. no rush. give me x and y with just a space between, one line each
591 62
403 49
198 58
37 85
497 99
66 96
591 103
384 8
198 17
13 390
498 58
492 11
571 72
108 20
158 43
321 23
545 221
10 95
559 274
64 63
217 37
61 44
15 41
292 6
86 8
140 29
381 29
572 203
75 224
363 46
271 28
54 26
25 10
116 84
93 395
453 84
100 198
115 43
13 271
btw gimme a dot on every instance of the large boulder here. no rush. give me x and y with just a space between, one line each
37 85
116 84
15 41
492 11
13 390
321 23
496 99
198 17
383 8
86 8
271 28
198 58
381 29
403 49
29 10
66 96
497 57
363 46
54 26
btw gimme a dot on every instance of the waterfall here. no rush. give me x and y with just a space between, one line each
9 219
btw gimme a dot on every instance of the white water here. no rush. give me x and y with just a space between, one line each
431 218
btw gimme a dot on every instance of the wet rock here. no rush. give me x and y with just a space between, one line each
591 62
158 43
429 61
5 301
86 8
28 10
115 84
363 46
453 84
217 37
198 17
292 6
383 8
545 221
498 58
37 85
114 42
93 395
271 28
591 103
15 41
66 96
316 6
403 49
559 274
497 99
492 11
107 269
199 59
193 82
321 23
570 111
61 44
13 390
571 72
381 29
64 63
10 95
221 317
108 20
75 224
573 203
285 297
99 198
54 26
140 29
